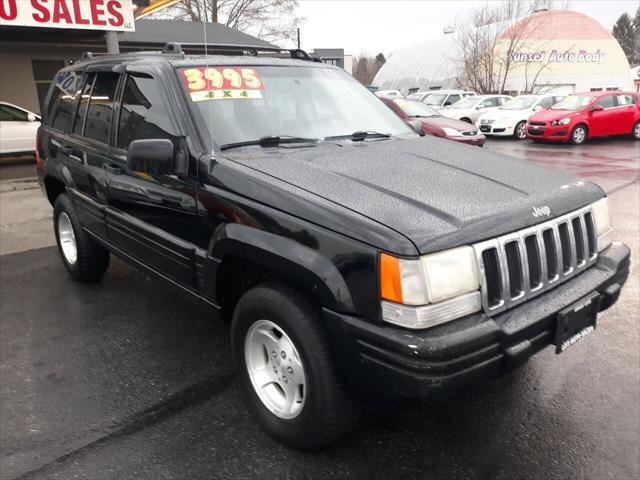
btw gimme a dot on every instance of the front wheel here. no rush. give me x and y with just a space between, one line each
578 135
286 369
520 130
635 131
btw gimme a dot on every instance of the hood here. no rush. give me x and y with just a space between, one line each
436 193
446 122
549 115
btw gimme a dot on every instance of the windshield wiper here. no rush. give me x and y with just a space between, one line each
270 141
360 135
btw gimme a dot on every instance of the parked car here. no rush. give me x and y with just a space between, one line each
352 257
587 115
441 98
511 118
18 128
470 108
388 93
433 123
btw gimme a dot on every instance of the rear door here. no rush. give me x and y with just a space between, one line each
626 112
151 217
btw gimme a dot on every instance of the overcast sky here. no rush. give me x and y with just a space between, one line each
384 25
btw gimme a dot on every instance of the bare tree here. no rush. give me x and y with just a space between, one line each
270 20
365 68
493 44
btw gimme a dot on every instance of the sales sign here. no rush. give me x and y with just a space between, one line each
80 14
222 83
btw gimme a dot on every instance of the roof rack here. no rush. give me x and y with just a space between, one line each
227 49
175 48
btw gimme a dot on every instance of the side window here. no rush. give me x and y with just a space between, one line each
606 102
490 102
626 99
11 114
62 100
144 113
100 109
452 99
81 112
502 100
546 102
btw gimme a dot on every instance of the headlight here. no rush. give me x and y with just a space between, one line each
451 132
562 121
434 289
602 222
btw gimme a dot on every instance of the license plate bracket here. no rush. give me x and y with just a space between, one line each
576 321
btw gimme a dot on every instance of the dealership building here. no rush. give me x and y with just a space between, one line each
559 50
31 54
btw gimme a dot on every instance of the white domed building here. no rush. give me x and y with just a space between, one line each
558 50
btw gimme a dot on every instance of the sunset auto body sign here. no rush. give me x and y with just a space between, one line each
79 14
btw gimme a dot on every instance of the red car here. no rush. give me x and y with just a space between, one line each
585 115
433 123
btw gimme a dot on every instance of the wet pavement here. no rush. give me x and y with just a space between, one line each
131 379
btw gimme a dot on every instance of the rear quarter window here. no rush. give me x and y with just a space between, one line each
62 100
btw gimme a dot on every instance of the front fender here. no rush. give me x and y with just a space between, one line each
300 264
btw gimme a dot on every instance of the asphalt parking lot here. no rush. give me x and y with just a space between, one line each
130 379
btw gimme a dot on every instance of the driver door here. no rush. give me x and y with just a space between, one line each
151 216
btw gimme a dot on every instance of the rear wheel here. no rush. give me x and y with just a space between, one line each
635 132
286 369
84 259
520 131
578 135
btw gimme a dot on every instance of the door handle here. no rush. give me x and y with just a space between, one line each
72 153
115 170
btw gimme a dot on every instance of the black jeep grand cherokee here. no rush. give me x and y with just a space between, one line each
352 256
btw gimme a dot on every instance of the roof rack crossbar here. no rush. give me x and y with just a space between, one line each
227 49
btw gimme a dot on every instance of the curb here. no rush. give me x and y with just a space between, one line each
19 184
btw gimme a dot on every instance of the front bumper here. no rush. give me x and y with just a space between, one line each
549 132
386 360
497 129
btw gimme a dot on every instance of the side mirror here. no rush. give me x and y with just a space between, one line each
32 117
596 108
154 156
537 108
416 125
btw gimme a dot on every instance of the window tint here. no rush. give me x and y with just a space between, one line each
78 122
143 113
11 114
606 102
626 99
547 102
63 96
100 110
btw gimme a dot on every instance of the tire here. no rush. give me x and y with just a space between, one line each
635 131
322 409
519 131
578 135
91 260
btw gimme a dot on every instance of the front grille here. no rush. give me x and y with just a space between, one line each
535 131
523 264
470 133
537 124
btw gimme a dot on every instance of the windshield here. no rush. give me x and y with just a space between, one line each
435 99
468 102
415 108
519 103
243 104
573 102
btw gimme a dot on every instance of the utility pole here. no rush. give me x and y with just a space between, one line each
298 38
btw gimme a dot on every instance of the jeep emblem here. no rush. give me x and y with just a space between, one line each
540 211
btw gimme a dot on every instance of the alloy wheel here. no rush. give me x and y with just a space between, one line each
67 238
275 369
520 131
636 131
579 135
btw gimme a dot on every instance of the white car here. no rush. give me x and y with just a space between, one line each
511 118
18 128
441 98
388 93
470 108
